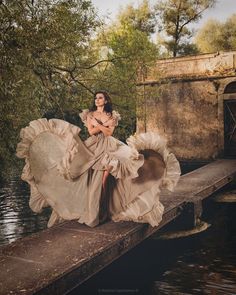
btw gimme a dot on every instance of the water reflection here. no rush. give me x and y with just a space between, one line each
201 264
16 218
208 266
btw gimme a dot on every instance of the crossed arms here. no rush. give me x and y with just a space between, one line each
95 127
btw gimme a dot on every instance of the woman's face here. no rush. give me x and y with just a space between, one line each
100 100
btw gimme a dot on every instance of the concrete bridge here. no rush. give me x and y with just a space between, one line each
58 259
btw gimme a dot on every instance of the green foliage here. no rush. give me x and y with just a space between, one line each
142 18
130 50
215 36
51 63
44 50
175 16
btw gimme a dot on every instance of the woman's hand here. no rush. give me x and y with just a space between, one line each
92 128
107 131
94 122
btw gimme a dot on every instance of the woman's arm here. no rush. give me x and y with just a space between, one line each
107 131
91 128
95 127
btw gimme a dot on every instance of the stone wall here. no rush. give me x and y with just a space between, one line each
186 109
206 65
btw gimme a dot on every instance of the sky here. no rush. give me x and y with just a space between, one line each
222 10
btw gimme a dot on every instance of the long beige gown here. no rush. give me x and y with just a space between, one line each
66 173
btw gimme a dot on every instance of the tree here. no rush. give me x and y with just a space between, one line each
175 16
51 62
142 18
130 48
215 36
44 59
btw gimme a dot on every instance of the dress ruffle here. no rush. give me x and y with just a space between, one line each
146 206
122 164
28 135
83 116
77 166
121 160
116 116
122 169
155 141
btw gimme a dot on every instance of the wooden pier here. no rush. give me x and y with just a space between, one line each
56 260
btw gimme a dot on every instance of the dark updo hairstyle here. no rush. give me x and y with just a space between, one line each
107 106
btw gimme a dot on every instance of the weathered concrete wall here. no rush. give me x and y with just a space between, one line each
189 112
205 64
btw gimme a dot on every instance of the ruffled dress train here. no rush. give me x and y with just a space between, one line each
66 173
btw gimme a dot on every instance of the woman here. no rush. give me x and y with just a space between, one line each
100 177
100 120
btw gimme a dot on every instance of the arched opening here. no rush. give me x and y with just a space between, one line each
230 120
230 88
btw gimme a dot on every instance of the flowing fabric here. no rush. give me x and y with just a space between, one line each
66 173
